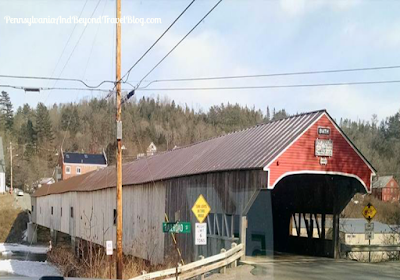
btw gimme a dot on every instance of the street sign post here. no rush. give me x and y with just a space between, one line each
200 234
201 209
369 213
177 227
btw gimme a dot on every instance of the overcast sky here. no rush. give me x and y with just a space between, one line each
238 38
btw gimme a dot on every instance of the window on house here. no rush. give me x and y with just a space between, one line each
68 169
115 217
72 212
78 170
61 211
32 208
51 210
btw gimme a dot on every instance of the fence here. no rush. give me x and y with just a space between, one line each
200 267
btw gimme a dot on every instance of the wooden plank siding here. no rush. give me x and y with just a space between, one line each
226 192
144 208
93 217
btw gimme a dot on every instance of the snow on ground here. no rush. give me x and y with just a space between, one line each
23 248
28 268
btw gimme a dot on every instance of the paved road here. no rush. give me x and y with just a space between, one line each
312 269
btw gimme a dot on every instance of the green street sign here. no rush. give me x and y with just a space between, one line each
177 227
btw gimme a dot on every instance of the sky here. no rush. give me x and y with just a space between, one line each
238 38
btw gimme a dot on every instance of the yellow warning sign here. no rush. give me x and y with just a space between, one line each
369 212
201 208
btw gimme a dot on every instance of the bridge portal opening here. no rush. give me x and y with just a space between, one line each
300 215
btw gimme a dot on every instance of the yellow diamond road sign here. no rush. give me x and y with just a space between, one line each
369 212
201 208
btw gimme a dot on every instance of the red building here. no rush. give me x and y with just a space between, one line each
386 188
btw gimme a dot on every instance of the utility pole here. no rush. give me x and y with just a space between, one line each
11 168
119 143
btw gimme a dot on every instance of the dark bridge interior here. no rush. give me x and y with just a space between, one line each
309 200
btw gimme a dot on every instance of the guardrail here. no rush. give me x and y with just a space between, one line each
200 267
369 248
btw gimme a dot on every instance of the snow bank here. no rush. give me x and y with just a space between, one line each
28 268
23 248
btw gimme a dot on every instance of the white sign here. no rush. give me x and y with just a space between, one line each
369 226
200 234
323 161
369 235
323 148
109 247
324 130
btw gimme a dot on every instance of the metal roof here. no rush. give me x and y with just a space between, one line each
251 148
381 182
84 158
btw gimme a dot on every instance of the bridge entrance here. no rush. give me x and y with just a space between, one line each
300 215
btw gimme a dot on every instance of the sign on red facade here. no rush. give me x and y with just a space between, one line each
312 153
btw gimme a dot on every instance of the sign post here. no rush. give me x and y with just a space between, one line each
369 213
201 209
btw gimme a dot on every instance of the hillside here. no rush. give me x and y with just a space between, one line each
89 126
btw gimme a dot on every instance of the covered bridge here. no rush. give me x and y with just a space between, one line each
259 182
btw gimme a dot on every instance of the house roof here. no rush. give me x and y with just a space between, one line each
84 158
381 182
46 180
252 148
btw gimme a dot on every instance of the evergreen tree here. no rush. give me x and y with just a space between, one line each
44 128
268 116
7 114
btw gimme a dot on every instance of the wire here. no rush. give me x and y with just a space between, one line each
80 37
209 78
272 86
178 44
215 88
159 38
276 74
69 39
93 42
73 50
57 79
56 88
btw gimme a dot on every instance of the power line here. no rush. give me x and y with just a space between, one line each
275 74
79 39
209 88
37 89
159 38
73 50
178 43
272 86
69 39
57 79
208 78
